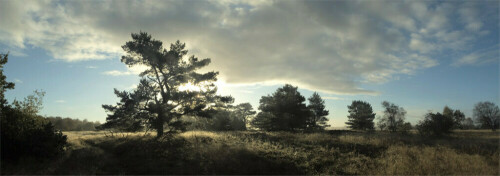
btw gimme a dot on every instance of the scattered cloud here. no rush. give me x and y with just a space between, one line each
483 56
328 46
91 67
18 81
135 70
60 101
117 73
333 98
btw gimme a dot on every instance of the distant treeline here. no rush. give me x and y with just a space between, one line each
69 124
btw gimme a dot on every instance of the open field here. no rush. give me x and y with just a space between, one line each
253 152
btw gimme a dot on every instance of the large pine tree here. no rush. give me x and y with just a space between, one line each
159 101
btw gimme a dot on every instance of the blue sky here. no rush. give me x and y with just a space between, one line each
421 55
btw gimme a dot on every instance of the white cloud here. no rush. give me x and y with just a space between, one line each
332 98
483 56
60 101
135 70
328 46
117 73
18 80
91 67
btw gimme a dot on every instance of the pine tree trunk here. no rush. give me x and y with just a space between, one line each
159 127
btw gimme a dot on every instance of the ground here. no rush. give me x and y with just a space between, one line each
253 152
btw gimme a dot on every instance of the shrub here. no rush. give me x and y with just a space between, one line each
435 125
30 135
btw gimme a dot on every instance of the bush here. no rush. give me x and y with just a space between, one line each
435 125
29 135
221 121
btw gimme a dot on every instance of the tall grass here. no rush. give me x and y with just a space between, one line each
253 152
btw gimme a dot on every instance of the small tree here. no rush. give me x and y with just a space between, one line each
283 111
159 101
244 111
457 116
436 124
360 116
317 121
393 118
487 114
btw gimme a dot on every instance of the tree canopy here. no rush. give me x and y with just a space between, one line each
487 114
284 110
360 115
317 120
457 116
436 124
394 117
158 102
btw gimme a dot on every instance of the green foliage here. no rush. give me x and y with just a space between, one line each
221 121
28 135
487 114
393 119
245 112
360 116
69 124
32 104
283 111
317 121
159 102
457 116
436 124
24 133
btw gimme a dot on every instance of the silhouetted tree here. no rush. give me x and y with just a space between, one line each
317 120
264 121
487 114
457 116
4 85
435 124
360 116
244 111
226 120
284 110
158 102
393 119
23 132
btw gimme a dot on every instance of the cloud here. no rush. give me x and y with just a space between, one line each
60 101
117 73
328 46
483 56
18 81
333 98
135 70
91 67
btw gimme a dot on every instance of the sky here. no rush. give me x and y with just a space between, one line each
420 55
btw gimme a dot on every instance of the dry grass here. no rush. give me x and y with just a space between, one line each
253 152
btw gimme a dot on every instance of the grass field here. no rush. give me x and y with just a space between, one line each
252 152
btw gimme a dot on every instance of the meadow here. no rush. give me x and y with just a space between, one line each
336 152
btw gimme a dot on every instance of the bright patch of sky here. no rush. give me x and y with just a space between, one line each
421 55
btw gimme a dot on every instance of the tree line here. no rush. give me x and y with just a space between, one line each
69 124
158 103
